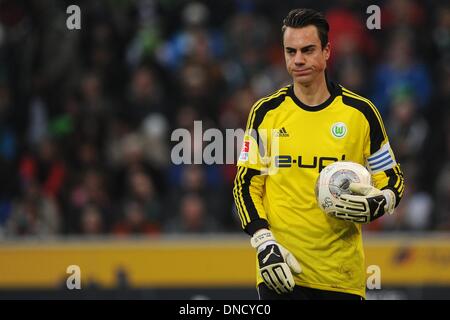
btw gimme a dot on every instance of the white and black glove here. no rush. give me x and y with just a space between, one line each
276 264
366 204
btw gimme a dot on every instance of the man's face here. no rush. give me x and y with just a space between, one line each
305 58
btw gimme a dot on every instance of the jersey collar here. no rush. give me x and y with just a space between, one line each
332 87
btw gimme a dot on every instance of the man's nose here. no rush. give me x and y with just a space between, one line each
299 58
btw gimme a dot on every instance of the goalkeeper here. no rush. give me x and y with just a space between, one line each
290 137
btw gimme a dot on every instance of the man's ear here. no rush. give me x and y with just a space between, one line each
327 51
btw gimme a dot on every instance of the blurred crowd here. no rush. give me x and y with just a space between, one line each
86 115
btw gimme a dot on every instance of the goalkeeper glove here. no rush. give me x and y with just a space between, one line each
275 262
368 204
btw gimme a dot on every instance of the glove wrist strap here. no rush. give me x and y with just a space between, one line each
261 236
390 201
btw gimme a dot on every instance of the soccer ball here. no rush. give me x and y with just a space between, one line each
334 180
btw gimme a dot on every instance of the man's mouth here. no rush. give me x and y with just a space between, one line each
301 72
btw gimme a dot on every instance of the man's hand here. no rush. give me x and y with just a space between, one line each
275 262
366 204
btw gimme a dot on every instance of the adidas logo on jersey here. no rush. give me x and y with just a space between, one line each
282 133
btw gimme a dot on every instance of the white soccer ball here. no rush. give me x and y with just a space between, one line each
335 180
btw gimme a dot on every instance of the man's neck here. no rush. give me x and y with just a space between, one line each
314 93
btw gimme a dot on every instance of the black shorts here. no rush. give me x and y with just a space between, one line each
304 293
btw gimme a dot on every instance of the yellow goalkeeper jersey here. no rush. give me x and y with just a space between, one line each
285 147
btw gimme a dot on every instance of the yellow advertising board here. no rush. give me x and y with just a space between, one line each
198 263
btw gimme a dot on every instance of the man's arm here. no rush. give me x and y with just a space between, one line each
248 192
275 263
372 202
249 183
387 176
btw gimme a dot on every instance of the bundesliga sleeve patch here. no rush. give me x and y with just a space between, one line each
381 160
244 151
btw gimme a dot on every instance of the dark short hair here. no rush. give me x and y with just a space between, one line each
299 18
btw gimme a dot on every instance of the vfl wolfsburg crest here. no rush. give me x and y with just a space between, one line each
339 129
